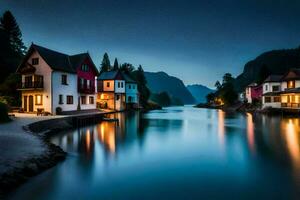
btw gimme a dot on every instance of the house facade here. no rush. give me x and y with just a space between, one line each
51 80
253 92
116 91
271 92
290 89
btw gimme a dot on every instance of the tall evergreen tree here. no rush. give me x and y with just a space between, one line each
127 68
142 85
105 65
116 65
10 25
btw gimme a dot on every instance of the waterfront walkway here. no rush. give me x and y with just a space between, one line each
18 146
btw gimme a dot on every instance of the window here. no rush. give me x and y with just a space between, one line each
118 84
122 84
276 99
275 88
267 99
118 97
108 84
88 84
91 100
61 99
39 99
84 68
266 87
83 99
35 61
69 99
64 80
129 86
291 84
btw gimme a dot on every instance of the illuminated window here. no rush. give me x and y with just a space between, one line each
38 99
291 84
108 84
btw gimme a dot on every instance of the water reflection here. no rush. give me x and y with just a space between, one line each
291 135
250 132
186 149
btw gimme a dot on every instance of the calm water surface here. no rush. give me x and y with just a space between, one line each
176 153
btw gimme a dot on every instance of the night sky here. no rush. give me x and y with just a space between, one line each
197 41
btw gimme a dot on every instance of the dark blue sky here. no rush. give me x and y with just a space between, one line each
197 41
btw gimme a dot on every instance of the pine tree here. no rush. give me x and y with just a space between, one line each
105 65
116 65
142 85
10 25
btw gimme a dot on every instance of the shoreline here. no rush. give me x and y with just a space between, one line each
51 155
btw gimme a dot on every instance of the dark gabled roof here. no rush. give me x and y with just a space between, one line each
273 78
292 74
111 75
58 61
128 79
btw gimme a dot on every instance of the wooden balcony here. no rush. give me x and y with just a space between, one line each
31 85
84 89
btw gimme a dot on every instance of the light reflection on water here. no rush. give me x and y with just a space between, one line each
177 153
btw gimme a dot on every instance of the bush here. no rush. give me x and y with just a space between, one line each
58 110
4 113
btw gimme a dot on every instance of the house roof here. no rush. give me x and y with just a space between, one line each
292 74
273 78
128 79
58 61
111 75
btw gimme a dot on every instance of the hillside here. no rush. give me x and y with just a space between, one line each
199 92
161 82
276 62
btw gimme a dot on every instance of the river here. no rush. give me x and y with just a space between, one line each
175 153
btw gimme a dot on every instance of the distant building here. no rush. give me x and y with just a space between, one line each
52 80
253 92
116 91
271 92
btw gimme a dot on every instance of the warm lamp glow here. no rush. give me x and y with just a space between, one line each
250 132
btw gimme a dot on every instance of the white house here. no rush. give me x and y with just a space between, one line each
51 81
271 92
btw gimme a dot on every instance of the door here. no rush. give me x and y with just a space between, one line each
30 103
25 104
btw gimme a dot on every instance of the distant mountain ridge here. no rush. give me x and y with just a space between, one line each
161 82
199 92
277 62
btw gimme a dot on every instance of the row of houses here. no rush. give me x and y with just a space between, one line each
277 91
54 82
